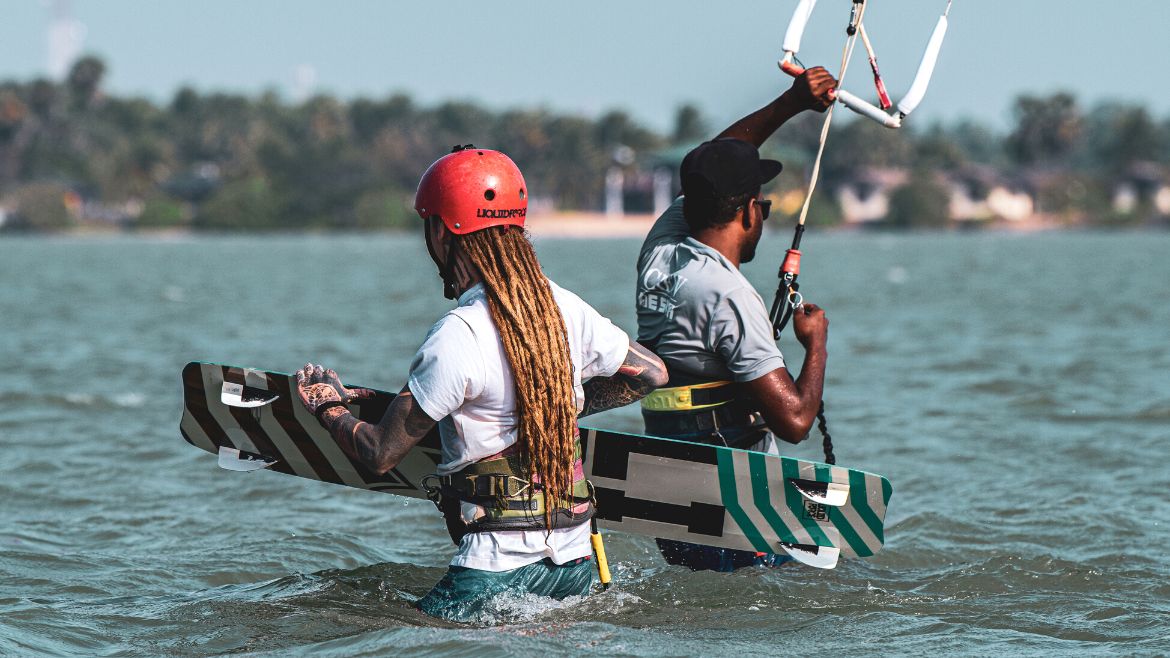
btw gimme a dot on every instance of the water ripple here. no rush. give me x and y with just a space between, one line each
1025 433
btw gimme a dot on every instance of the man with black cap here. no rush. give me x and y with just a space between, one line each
728 382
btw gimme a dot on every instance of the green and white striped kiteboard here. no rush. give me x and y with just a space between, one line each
664 488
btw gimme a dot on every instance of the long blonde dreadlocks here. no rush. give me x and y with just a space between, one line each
537 348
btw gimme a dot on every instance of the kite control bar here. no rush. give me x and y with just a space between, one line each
912 98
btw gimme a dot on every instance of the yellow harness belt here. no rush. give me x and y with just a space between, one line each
688 398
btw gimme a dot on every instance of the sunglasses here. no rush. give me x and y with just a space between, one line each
764 204
765 208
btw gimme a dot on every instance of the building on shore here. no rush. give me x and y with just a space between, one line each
1143 185
865 196
981 193
974 194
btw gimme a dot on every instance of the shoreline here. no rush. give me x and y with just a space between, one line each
599 226
589 225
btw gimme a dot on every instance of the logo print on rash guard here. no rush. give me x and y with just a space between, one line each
660 292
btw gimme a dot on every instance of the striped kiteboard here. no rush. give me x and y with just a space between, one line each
678 490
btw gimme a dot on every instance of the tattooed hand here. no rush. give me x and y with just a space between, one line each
315 388
316 385
347 394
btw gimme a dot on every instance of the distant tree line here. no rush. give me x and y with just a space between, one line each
1070 158
218 161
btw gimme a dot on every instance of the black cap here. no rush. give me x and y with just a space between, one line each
724 168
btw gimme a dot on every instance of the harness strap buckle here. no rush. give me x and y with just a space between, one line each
690 397
479 486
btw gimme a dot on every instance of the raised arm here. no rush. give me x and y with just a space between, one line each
639 374
377 447
813 90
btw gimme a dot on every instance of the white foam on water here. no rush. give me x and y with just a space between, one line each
522 607
85 399
174 294
130 400
519 608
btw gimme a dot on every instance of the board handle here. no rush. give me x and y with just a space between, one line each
824 493
246 397
233 460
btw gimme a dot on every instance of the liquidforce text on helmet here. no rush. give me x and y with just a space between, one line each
471 189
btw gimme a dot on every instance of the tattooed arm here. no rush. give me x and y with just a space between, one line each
377 447
639 374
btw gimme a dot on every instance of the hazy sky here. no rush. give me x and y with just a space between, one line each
645 57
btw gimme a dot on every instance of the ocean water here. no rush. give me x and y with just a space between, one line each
1015 389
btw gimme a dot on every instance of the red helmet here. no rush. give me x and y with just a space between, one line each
471 189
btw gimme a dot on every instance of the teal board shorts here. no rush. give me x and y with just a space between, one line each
463 594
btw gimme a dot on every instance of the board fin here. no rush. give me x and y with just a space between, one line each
824 493
234 460
821 557
248 397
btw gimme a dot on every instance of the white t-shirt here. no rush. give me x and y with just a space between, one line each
461 376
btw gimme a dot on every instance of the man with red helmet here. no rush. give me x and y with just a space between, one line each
505 376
